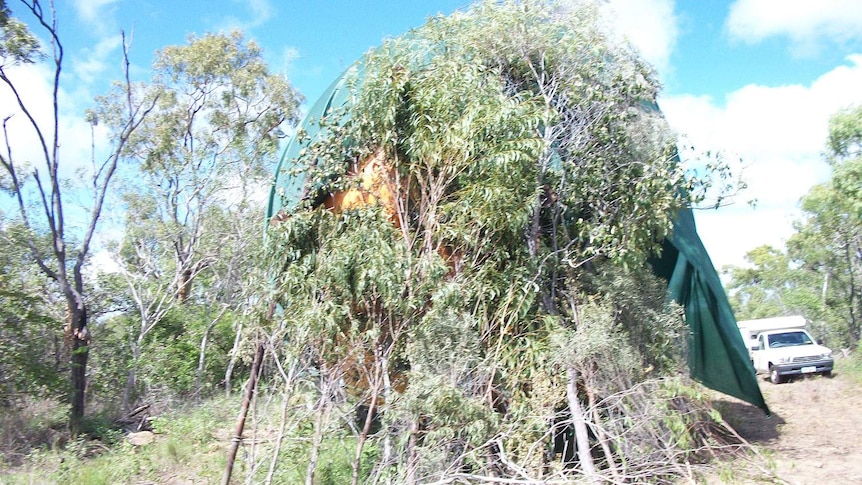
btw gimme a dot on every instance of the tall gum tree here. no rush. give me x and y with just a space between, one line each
204 157
30 307
207 145
828 241
819 272
39 188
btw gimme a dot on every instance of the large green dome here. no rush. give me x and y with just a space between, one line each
718 357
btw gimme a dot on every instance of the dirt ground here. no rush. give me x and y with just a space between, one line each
814 435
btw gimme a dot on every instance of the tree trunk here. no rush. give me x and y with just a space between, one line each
201 356
579 421
131 378
288 388
324 407
369 417
80 339
412 451
854 323
602 437
240 422
202 353
130 386
184 287
233 353
386 460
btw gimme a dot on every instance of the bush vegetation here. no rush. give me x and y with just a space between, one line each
484 311
488 297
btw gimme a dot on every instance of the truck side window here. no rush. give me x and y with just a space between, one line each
760 345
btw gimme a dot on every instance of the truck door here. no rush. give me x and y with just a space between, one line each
758 355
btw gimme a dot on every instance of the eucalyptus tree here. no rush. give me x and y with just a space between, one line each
772 286
492 183
205 150
31 336
828 240
38 187
204 158
819 273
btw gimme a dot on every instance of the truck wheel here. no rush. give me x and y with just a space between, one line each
774 376
827 374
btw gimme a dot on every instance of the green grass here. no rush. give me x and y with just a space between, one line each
850 366
190 447
190 444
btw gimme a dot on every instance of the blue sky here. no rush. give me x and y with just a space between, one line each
754 79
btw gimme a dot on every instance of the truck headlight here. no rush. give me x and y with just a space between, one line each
827 355
784 360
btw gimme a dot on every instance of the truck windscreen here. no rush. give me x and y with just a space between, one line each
787 339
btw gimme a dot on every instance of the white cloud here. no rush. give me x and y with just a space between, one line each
780 134
97 14
285 63
650 25
33 82
260 11
91 64
34 88
75 156
806 22
103 262
97 53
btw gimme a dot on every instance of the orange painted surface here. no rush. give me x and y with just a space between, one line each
375 187
375 179
374 183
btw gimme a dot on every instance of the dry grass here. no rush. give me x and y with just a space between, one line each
35 424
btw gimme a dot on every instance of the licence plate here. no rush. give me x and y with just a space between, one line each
808 370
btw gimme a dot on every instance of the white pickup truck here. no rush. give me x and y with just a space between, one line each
782 347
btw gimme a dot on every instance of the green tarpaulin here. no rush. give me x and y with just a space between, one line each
717 354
